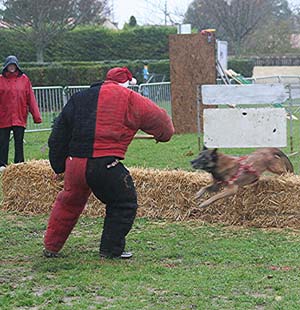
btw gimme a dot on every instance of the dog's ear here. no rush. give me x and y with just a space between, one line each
214 155
204 147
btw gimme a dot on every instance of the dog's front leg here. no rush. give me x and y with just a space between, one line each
209 188
230 190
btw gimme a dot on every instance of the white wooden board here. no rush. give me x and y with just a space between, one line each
251 127
244 94
295 91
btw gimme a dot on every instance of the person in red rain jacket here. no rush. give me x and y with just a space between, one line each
88 141
16 100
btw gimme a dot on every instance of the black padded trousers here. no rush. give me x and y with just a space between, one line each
115 188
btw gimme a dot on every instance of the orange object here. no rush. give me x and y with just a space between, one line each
209 33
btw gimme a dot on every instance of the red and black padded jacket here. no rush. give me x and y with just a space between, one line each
102 121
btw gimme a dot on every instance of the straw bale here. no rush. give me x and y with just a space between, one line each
29 188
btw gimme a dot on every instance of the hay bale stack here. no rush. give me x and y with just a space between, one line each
272 202
29 187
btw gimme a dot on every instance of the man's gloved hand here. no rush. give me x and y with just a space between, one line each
38 121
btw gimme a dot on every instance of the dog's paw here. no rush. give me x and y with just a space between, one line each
200 193
203 205
197 196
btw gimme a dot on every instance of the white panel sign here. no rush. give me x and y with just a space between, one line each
244 94
263 127
184 28
222 47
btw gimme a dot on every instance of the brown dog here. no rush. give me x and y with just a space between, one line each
232 172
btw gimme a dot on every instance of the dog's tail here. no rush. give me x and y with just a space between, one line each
286 161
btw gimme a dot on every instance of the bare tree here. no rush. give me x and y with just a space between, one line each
162 12
295 7
41 21
235 19
264 41
93 11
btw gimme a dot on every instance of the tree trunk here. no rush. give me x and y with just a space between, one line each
237 48
40 54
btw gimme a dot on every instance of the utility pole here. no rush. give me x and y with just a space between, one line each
166 11
112 11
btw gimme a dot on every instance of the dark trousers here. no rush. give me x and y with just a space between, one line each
18 134
113 186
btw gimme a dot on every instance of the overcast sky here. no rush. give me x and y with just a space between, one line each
152 11
147 11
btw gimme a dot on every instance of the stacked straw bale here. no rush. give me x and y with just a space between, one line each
29 188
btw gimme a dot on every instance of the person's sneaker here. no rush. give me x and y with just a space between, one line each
124 255
50 254
2 168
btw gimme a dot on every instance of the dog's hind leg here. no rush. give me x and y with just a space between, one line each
209 188
230 190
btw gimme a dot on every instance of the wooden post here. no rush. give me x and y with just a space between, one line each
192 63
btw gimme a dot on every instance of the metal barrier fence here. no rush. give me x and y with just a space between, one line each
160 93
284 79
51 102
52 99
71 90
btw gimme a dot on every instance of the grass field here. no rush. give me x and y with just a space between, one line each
175 266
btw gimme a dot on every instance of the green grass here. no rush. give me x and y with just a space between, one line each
175 266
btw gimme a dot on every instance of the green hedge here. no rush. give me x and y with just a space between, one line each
13 43
62 76
242 66
93 44
85 54
96 44
87 73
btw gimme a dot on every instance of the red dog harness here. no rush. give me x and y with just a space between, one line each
242 168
